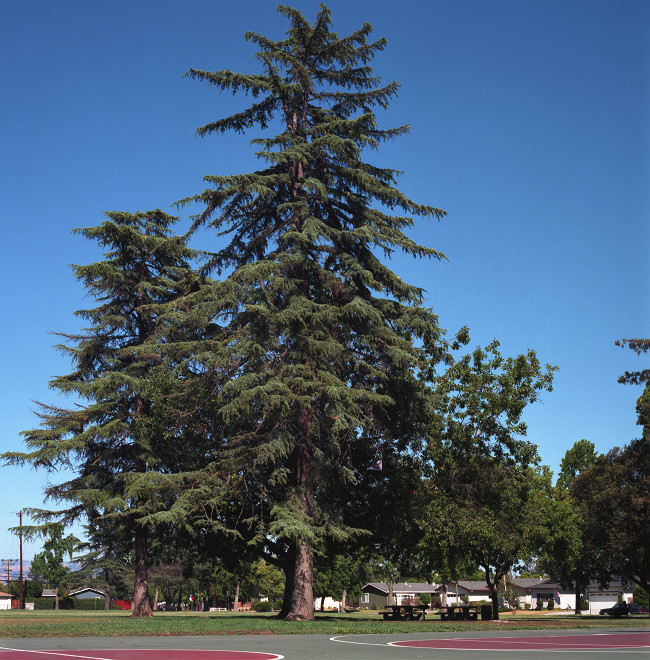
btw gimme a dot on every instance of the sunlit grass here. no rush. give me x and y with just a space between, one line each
41 623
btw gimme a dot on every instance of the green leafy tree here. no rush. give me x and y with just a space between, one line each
48 566
581 456
567 556
483 497
614 502
123 455
318 348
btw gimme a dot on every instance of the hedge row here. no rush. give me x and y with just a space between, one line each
70 603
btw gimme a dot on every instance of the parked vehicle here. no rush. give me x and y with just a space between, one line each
619 610
636 609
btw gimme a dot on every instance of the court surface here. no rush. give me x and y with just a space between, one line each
512 645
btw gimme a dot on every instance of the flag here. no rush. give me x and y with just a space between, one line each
377 467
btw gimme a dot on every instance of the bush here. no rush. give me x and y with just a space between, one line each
70 603
425 599
436 602
465 598
551 604
262 606
527 606
584 605
540 604
640 597
277 605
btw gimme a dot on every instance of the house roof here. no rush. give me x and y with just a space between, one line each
528 583
48 593
468 585
404 587
76 592
4 595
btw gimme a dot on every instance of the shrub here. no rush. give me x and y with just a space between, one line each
584 605
527 606
436 602
277 605
551 604
262 606
425 599
540 604
465 598
640 597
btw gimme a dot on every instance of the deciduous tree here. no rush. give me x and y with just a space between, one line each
484 498
47 566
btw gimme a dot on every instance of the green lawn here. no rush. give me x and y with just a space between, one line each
14 623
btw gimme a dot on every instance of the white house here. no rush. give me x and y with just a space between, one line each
5 601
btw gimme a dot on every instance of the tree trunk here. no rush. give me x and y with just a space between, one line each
155 600
56 598
301 607
345 593
141 604
322 603
389 602
288 567
443 597
494 596
237 597
578 594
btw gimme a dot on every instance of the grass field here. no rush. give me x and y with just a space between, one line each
14 623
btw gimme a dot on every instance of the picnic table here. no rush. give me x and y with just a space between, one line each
458 613
404 613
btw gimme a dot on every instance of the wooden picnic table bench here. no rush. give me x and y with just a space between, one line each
459 613
404 613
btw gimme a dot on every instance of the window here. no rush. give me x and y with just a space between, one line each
365 598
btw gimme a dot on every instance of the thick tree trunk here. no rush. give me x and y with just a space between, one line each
389 602
494 596
301 604
141 604
345 593
301 607
237 597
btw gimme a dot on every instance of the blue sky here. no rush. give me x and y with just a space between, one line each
530 128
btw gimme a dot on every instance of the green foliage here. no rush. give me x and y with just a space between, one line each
31 589
316 349
47 566
640 597
581 456
613 496
262 606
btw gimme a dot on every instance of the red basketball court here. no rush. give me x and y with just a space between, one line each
602 641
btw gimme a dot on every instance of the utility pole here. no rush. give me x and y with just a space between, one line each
9 562
21 598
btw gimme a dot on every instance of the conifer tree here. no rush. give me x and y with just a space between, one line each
321 350
111 436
